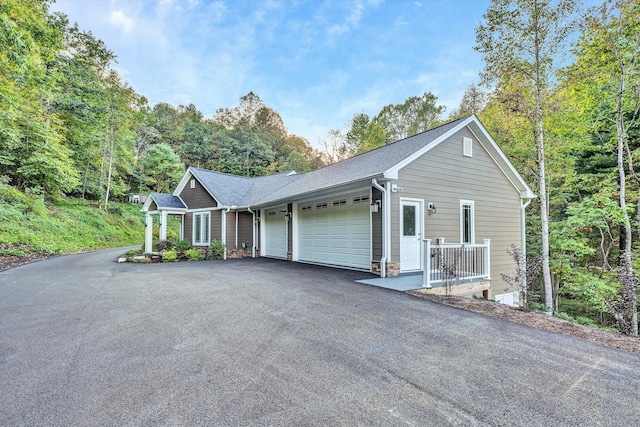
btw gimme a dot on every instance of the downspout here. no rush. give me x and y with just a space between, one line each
253 233
383 259
224 231
523 238
236 230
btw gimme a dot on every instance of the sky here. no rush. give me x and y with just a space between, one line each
315 62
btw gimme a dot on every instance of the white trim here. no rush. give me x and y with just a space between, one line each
470 203
207 241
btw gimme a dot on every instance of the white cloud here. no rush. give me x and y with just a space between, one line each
117 18
351 21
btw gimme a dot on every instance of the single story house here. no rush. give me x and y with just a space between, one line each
442 197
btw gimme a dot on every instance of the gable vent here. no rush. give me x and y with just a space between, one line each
467 147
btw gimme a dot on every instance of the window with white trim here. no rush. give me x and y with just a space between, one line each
201 228
467 222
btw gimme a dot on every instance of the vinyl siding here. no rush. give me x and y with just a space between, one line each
216 225
245 229
197 198
231 230
153 206
444 176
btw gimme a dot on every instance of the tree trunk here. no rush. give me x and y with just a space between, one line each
106 195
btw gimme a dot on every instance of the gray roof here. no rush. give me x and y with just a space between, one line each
364 166
168 201
230 190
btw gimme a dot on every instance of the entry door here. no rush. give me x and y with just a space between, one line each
410 233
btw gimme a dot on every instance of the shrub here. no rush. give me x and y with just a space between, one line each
181 246
216 249
194 255
169 256
163 245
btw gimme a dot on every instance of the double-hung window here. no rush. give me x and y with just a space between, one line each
467 223
201 228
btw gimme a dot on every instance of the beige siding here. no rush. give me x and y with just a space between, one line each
444 176
188 227
197 198
245 229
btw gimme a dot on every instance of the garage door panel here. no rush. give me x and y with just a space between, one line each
275 235
338 235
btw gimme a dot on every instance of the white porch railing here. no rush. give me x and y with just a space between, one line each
455 262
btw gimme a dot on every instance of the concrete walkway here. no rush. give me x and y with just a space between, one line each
88 342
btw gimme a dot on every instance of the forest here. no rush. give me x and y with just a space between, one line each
559 92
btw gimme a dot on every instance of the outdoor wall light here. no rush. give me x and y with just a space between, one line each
431 208
375 206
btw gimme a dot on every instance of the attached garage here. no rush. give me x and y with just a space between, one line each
275 232
336 231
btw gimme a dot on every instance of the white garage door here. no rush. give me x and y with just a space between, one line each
336 232
275 233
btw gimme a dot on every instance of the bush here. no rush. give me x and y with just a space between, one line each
181 246
169 256
194 255
163 245
216 249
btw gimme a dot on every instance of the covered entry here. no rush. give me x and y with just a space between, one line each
336 231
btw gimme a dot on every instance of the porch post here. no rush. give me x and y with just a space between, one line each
148 234
163 225
426 273
487 258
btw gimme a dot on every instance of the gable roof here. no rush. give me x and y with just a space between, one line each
164 201
383 163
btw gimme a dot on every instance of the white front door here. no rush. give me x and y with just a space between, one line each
410 235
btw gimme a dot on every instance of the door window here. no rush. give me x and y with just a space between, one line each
408 220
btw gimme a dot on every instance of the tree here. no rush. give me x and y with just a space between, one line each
522 43
416 114
473 102
162 168
609 64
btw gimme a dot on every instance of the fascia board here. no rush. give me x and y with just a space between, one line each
147 203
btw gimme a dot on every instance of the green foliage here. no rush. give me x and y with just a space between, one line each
181 246
28 224
169 256
163 245
216 249
162 167
194 254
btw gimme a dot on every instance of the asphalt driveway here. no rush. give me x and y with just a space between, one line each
86 341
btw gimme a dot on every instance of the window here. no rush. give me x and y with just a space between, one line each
193 183
467 223
321 205
201 228
361 199
341 202
306 208
408 220
467 147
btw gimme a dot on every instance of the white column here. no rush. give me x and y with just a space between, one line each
163 225
487 258
426 274
148 234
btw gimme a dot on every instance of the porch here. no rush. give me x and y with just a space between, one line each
450 269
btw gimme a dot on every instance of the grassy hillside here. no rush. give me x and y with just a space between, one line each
29 225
